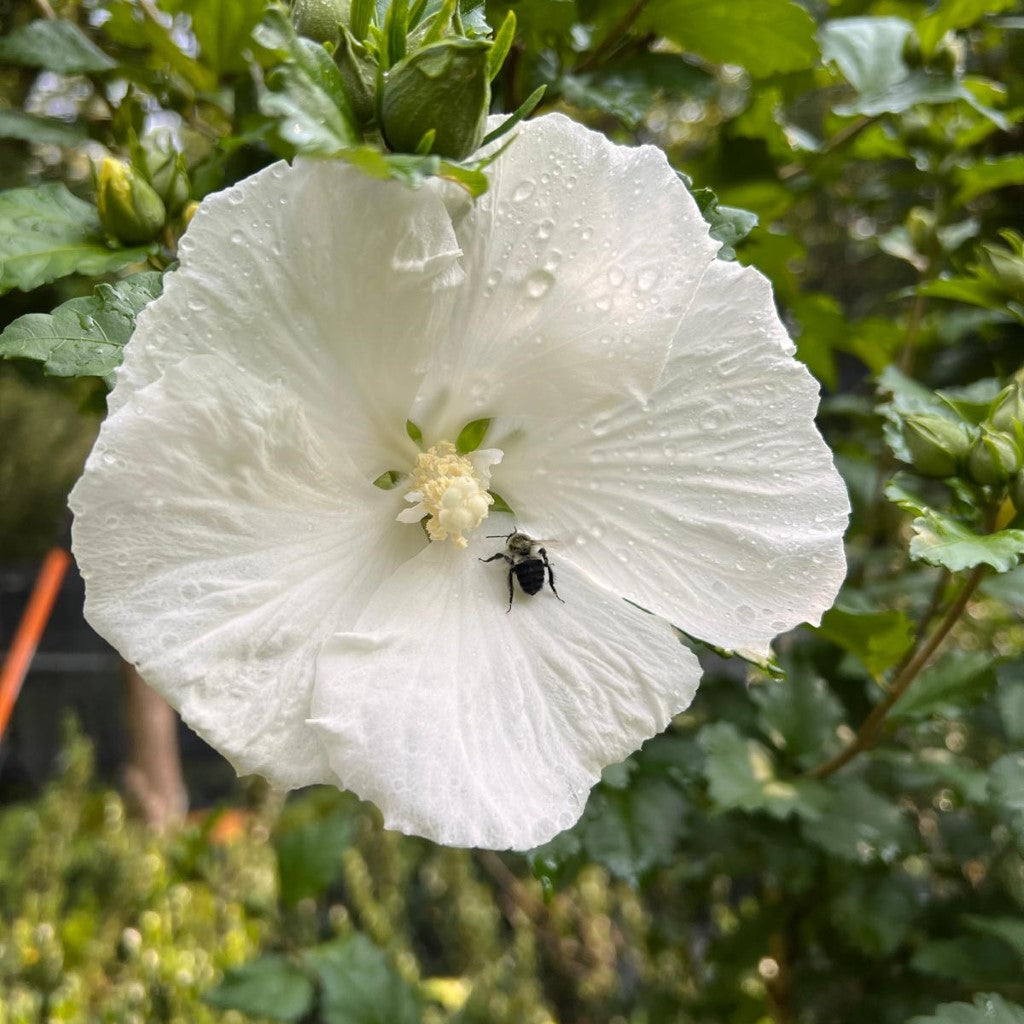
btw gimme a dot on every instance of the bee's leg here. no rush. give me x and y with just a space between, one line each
511 592
551 573
500 554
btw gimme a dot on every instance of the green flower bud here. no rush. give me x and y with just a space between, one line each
358 76
994 458
946 56
320 20
130 210
445 88
920 226
937 445
1007 412
168 174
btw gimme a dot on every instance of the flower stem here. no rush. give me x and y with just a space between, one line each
870 730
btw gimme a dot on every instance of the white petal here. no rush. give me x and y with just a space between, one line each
321 277
477 727
716 505
221 540
580 261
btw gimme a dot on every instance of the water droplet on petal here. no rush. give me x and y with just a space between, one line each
616 276
539 283
523 190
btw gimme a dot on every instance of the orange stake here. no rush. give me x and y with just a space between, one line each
30 630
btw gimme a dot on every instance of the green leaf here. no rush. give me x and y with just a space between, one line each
799 714
969 960
309 856
305 94
83 337
729 224
414 432
269 986
1010 699
359 985
471 436
223 30
989 175
878 639
874 912
47 233
764 36
633 829
1006 792
1009 929
954 14
741 776
986 1009
48 131
957 681
940 540
56 45
860 825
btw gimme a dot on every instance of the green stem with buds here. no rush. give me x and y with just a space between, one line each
871 729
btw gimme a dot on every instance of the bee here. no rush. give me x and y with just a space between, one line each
528 562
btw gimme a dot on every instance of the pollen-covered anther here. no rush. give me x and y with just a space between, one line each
450 490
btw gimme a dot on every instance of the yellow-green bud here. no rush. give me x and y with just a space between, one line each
358 75
920 225
444 88
945 58
1007 412
167 172
320 20
130 210
994 458
937 445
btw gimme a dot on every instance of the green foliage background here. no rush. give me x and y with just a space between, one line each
842 843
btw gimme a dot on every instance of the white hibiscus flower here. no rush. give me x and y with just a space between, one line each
646 414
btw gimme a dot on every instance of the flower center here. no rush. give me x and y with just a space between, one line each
451 491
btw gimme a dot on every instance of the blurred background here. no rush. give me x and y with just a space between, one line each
866 155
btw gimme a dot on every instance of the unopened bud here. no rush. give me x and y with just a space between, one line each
444 88
994 458
167 172
946 57
920 226
320 20
130 210
358 76
937 445
1008 409
913 57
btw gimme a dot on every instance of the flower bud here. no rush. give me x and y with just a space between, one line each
358 76
994 458
1007 412
130 210
913 56
445 88
320 20
167 172
937 445
920 224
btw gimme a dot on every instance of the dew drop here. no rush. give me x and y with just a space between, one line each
524 190
237 238
544 229
647 278
616 276
539 283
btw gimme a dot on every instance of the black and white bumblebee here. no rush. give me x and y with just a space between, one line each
528 562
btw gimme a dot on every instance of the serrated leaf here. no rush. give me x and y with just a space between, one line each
764 36
359 986
860 825
56 45
47 131
989 175
47 233
878 639
83 337
986 1009
741 776
631 829
940 540
798 713
958 681
269 986
309 856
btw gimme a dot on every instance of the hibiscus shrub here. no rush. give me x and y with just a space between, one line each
374 307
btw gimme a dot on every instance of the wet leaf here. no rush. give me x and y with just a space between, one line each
56 45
